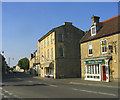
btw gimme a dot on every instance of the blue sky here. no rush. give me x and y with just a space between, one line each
24 23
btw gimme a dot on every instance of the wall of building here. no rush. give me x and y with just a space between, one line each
96 47
69 65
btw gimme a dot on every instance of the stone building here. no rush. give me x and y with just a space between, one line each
100 50
59 52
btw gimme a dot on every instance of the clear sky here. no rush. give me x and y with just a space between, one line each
24 23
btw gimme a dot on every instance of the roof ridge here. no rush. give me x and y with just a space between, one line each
110 19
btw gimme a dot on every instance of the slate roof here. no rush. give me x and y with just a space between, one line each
108 27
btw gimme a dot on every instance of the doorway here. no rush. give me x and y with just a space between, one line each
104 72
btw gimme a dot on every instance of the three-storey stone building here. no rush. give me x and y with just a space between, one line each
59 52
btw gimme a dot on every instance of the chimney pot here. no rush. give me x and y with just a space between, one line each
95 19
67 23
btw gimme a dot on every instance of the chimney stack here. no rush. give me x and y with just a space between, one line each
67 23
95 19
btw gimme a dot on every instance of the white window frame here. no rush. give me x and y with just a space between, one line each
101 46
91 30
88 49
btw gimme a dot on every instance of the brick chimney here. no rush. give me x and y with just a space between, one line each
67 23
95 19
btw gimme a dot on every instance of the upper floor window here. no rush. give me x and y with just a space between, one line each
60 37
39 49
41 44
45 55
51 52
89 49
51 39
48 41
48 53
93 30
103 46
44 43
61 52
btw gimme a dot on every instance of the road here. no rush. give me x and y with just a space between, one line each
24 85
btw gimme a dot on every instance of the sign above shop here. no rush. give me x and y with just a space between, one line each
95 61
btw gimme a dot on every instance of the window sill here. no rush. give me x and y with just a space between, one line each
90 55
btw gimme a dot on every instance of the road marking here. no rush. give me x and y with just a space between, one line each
19 78
9 93
30 81
103 93
5 91
54 85
5 96
75 89
0 88
92 84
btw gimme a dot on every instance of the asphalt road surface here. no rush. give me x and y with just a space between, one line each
23 85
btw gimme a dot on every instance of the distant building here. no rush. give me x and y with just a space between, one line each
59 52
3 65
100 50
33 64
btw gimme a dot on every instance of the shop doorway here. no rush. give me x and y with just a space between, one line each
104 72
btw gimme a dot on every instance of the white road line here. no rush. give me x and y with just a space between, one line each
19 78
107 93
30 81
15 96
5 96
75 89
10 93
103 93
54 85
5 91
0 88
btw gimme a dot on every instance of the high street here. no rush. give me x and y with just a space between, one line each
22 85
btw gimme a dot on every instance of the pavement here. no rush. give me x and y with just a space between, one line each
79 81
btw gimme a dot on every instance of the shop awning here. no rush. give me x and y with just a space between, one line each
99 57
47 64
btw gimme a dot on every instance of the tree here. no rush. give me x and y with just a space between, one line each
24 63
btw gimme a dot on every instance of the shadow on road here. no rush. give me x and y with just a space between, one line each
26 85
15 77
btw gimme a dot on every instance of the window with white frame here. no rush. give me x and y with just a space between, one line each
103 46
93 30
93 69
89 49
48 41
51 52
51 39
44 43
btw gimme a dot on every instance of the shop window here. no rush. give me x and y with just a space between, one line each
93 69
103 46
89 49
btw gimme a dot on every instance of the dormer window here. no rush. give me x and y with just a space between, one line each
93 30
